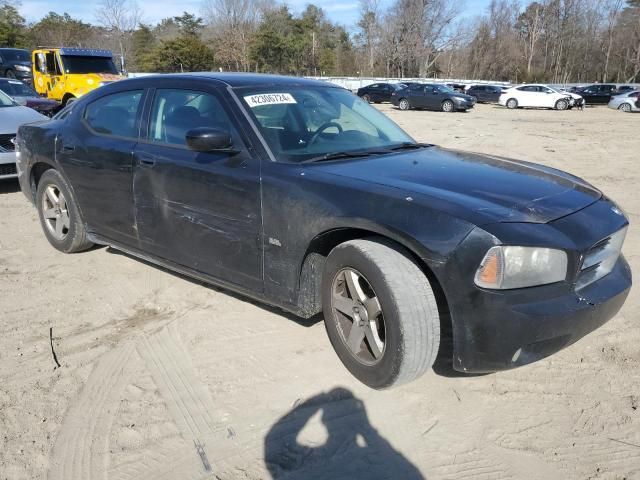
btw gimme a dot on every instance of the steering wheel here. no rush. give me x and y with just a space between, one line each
322 128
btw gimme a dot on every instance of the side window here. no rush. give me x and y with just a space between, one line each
375 85
416 88
175 112
115 114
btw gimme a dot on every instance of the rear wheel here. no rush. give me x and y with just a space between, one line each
404 104
512 103
448 106
380 312
625 107
562 104
59 215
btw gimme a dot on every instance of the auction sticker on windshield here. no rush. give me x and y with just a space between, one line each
269 99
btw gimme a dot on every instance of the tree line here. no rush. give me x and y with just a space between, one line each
546 40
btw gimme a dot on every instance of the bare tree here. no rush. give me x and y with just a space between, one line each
120 18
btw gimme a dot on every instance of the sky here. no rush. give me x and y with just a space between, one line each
344 12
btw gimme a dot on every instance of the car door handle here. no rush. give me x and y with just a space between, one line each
146 160
68 149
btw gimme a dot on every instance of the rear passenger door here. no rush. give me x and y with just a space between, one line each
95 150
200 210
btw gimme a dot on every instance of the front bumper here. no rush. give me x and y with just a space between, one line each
498 330
8 165
464 105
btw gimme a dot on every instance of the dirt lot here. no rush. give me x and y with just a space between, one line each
164 378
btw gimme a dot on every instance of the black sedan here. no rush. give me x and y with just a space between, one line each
485 93
25 95
379 92
299 194
432 97
598 94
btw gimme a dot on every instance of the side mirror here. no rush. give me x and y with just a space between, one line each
206 139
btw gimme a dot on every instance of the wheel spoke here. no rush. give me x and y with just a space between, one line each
343 304
62 202
52 196
373 340
49 213
354 285
373 307
356 335
59 227
65 220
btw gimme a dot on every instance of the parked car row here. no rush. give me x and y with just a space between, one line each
452 98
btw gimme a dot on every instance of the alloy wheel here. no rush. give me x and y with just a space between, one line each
625 107
358 316
404 104
447 106
55 212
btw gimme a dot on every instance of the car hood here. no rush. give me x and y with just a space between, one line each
478 188
12 117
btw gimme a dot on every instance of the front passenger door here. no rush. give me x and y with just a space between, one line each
200 210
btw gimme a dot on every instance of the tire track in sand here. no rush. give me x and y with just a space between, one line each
81 447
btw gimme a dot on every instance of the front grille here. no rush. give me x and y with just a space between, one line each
600 259
8 169
6 143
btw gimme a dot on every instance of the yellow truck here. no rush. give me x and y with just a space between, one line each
65 74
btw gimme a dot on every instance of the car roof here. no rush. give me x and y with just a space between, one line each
236 79
2 49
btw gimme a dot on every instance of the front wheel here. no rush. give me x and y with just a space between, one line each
380 312
59 215
404 104
562 105
448 106
366 98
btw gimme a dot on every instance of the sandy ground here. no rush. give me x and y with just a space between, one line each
164 378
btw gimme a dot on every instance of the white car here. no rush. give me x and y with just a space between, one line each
540 96
12 116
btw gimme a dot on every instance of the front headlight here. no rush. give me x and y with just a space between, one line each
22 68
506 267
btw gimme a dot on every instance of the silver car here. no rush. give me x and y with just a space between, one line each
627 102
12 116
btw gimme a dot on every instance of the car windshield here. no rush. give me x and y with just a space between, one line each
6 101
73 64
306 123
16 55
17 89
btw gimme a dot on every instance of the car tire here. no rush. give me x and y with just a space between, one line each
448 106
625 107
366 98
406 331
561 104
59 214
512 104
404 104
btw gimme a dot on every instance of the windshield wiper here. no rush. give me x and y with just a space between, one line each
411 146
339 155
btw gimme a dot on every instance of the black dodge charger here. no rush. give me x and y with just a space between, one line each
302 195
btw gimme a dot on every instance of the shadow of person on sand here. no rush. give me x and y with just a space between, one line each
342 445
